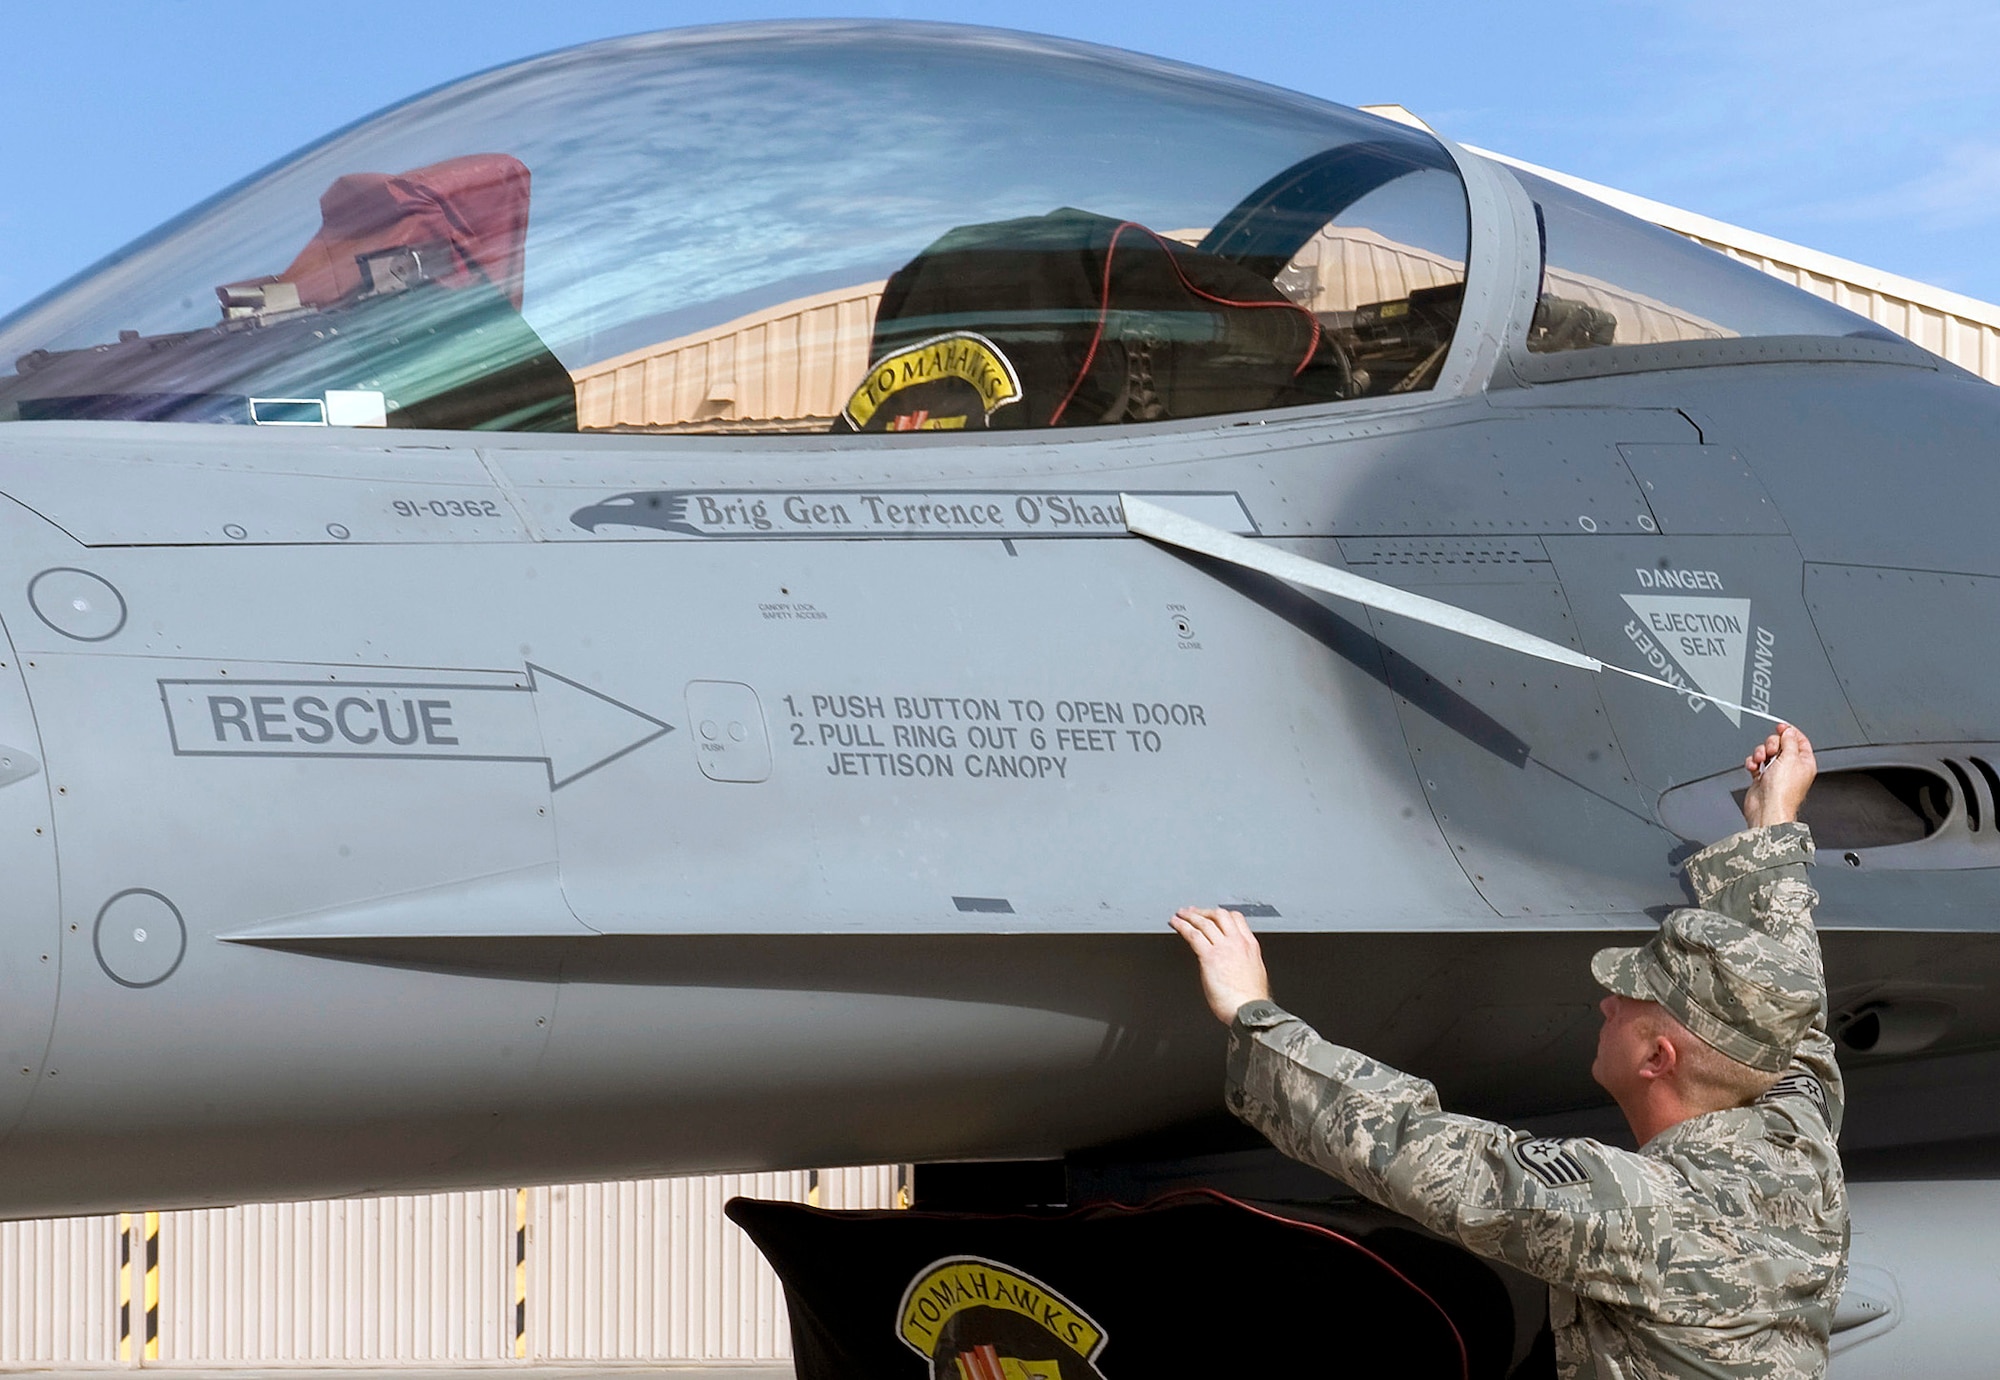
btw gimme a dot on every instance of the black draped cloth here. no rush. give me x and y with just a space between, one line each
1195 1285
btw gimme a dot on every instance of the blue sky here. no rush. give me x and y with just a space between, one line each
1867 130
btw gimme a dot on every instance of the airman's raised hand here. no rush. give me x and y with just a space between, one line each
1232 966
1781 772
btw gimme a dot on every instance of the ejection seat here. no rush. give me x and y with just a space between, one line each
1073 319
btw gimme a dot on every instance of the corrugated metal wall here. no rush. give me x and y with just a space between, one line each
1968 341
413 1279
638 1271
59 1291
1962 329
1344 267
791 366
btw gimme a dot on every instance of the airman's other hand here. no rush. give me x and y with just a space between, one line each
1781 772
1232 966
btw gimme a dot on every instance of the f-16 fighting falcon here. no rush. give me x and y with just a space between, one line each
644 612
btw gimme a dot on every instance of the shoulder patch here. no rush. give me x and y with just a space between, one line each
1551 1162
1799 1085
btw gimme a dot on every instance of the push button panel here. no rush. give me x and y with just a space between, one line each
730 740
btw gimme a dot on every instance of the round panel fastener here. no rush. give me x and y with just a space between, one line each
140 938
77 604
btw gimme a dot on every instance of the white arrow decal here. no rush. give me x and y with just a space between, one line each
584 729
466 716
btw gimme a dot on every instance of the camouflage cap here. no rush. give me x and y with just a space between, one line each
1735 987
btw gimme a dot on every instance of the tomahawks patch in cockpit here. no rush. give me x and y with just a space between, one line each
946 383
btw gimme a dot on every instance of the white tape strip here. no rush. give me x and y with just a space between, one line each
1163 524
1696 694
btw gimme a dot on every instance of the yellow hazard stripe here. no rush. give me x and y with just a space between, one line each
125 1286
520 1273
152 1286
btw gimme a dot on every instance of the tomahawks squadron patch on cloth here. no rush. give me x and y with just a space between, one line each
1551 1162
976 1319
1116 1292
949 382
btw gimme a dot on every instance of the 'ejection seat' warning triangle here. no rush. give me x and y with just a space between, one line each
1706 636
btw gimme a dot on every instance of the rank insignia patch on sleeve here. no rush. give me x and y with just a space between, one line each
1799 1085
1551 1162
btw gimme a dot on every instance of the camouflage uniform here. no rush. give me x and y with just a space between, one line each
1719 1248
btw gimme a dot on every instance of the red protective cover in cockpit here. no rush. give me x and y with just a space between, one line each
477 207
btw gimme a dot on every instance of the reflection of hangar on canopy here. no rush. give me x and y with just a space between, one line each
705 231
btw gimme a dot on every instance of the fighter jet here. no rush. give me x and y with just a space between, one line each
588 625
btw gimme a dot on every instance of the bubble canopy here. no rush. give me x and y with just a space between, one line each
786 227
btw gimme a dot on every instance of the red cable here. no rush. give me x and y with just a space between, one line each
1104 311
1464 1356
